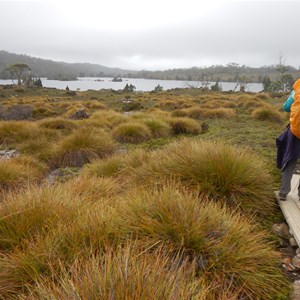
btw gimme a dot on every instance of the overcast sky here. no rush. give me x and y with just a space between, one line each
153 34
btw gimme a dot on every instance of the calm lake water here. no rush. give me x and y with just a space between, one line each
98 83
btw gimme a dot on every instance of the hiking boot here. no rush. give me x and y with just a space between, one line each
280 197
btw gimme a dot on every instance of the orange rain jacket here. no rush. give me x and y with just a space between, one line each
295 110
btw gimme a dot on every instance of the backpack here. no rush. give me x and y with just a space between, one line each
295 111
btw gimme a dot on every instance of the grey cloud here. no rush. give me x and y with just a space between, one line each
251 33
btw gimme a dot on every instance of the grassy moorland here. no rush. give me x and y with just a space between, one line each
162 195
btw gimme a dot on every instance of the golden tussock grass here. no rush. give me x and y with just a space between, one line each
268 113
167 236
215 104
174 104
109 167
158 112
202 113
13 132
34 211
158 127
131 132
124 274
117 164
250 102
20 172
220 113
42 147
43 112
108 118
82 147
263 96
175 223
184 126
58 123
94 188
231 253
234 175
95 105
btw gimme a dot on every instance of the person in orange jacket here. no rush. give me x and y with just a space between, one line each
288 143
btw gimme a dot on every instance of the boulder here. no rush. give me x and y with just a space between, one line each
282 230
79 115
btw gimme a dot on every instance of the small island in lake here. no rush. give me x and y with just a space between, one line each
117 79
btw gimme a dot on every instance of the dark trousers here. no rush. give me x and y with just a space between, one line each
286 177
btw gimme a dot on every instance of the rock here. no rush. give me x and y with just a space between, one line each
8 154
287 264
282 230
79 115
287 261
293 242
296 261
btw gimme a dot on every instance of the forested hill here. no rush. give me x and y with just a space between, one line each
57 70
231 72
68 71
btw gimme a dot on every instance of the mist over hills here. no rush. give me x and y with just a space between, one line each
44 68
56 70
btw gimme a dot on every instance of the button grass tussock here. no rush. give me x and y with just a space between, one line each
145 204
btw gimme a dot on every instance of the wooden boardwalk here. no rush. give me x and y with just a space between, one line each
291 209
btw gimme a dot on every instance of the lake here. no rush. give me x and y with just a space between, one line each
98 83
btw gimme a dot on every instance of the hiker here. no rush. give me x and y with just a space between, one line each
288 143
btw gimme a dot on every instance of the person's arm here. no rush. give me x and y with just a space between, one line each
288 103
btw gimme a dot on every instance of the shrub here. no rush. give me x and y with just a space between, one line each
108 167
158 128
131 106
17 112
35 211
173 104
13 132
117 165
215 104
82 147
267 114
226 173
16 270
108 118
94 189
94 105
36 228
250 103
43 112
19 172
42 148
224 113
131 132
196 113
158 112
123 274
59 124
184 126
179 113
263 96
232 256
136 158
